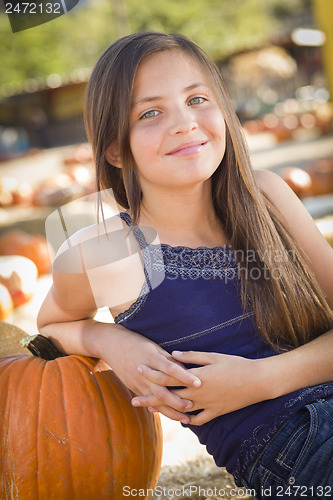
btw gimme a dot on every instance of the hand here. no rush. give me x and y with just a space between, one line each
228 384
131 355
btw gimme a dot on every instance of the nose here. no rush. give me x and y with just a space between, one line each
183 121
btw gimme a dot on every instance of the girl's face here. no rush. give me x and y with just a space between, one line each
177 130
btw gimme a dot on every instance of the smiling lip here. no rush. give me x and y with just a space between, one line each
187 149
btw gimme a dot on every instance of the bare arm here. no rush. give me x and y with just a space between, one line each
66 317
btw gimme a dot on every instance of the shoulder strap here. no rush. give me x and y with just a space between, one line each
136 230
143 246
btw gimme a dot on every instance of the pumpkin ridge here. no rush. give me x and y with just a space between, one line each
38 426
113 431
57 363
8 477
82 364
95 404
95 381
139 414
19 379
103 387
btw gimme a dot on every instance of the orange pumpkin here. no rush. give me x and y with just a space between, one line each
69 431
11 241
34 247
321 173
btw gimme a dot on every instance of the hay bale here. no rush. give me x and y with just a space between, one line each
199 479
10 336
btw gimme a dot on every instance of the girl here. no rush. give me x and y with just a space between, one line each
235 341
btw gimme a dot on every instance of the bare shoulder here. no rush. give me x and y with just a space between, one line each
72 294
90 243
105 226
93 268
281 198
272 185
288 207
264 177
100 265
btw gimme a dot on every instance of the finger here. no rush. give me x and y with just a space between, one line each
163 396
201 418
171 413
195 357
156 376
182 375
173 360
188 393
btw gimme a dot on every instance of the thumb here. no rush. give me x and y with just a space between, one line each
195 357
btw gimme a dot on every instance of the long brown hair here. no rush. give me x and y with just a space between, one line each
276 281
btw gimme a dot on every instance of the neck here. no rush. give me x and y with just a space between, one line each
183 218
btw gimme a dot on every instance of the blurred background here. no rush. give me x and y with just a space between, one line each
275 57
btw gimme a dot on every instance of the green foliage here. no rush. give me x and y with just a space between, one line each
76 39
219 26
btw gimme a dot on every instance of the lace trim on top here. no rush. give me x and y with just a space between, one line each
179 261
200 262
183 262
194 263
251 448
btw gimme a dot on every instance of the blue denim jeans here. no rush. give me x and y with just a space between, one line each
298 461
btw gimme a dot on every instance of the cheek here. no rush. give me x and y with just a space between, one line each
143 142
218 124
218 131
220 134
215 124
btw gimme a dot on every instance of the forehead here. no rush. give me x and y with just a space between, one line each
166 68
164 57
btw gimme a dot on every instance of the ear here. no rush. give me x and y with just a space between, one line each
112 155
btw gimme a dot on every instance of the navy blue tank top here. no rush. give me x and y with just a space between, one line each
197 306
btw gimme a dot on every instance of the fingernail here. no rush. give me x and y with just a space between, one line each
139 369
135 402
184 421
197 383
152 410
188 406
177 353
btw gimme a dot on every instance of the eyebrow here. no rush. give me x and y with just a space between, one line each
156 98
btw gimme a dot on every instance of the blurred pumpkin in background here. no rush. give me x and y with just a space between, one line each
321 173
11 240
298 180
34 247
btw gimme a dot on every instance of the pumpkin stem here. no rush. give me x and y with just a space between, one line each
41 346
